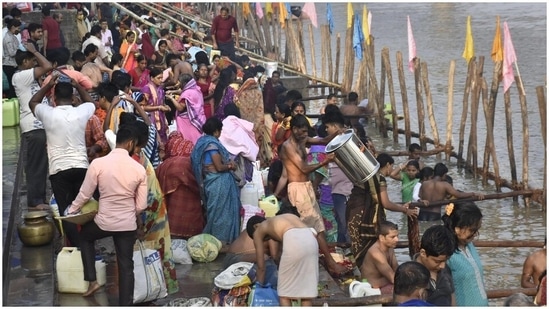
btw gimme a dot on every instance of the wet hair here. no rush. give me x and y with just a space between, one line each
32 27
60 56
518 300
425 173
464 214
90 49
413 147
385 227
352 96
21 56
201 58
231 110
170 57
211 125
95 30
336 118
107 90
250 226
284 109
143 133
296 104
384 159
121 80
126 133
127 118
409 277
299 121
437 240
287 208
321 130
63 91
78 56
440 169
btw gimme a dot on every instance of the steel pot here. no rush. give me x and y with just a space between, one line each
36 229
358 166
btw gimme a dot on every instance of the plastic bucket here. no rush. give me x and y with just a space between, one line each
70 271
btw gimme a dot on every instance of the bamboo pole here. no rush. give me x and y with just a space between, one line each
474 116
349 60
450 109
255 30
276 37
387 61
312 49
374 93
510 147
542 111
493 244
362 80
490 148
383 76
419 101
494 196
267 32
525 134
430 111
425 153
338 56
404 94
301 44
470 68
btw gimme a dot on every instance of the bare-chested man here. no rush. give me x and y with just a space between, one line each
298 269
533 267
380 262
178 67
300 190
351 108
437 189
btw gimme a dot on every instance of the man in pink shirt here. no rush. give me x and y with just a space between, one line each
122 184
222 26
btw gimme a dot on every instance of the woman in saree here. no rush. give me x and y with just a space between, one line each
224 94
177 181
207 87
189 114
155 105
212 169
140 74
129 50
156 229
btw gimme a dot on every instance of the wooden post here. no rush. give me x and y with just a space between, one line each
374 93
362 80
277 29
404 94
349 60
267 32
510 147
382 96
490 122
490 147
542 110
419 101
430 111
253 24
312 49
450 110
387 61
465 105
477 82
338 56
525 135
300 44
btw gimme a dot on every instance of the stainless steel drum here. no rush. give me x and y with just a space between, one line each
358 166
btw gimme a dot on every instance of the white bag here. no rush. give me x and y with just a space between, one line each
257 179
180 253
231 276
150 283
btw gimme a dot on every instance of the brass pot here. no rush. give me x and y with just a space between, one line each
36 229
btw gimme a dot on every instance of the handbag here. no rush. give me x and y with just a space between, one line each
150 283
263 296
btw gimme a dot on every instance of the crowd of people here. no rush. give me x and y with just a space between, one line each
164 137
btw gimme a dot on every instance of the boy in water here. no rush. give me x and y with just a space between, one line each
380 263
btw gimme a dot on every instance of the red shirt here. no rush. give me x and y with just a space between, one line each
221 28
52 26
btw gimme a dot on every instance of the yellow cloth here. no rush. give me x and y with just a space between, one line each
246 8
349 15
469 50
497 47
365 25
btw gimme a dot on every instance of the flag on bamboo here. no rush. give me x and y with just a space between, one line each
330 17
497 47
282 14
365 24
258 10
469 50
509 57
310 10
246 9
349 15
411 47
269 9
358 38
369 24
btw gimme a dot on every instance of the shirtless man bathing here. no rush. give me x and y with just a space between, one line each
380 263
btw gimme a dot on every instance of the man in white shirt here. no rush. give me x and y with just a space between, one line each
106 37
95 38
32 132
65 127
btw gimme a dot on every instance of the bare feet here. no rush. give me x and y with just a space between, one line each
94 286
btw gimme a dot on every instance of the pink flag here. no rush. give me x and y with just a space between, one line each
258 10
411 47
509 57
310 10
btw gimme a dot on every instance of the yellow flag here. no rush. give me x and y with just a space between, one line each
282 14
349 15
497 47
268 9
245 9
469 50
365 26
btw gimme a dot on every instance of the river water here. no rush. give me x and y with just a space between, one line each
439 32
